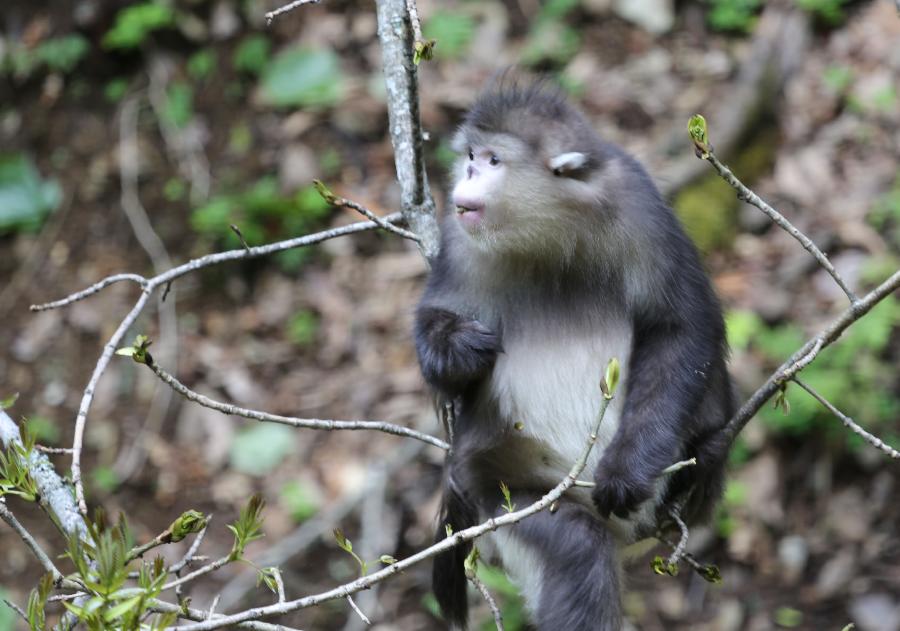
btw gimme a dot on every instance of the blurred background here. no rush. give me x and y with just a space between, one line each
132 134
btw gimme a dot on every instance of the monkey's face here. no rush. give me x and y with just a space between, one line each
509 199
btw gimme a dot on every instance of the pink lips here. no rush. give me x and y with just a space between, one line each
470 217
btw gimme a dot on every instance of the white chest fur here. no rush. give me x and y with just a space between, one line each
549 381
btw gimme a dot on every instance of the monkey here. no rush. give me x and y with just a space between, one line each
558 253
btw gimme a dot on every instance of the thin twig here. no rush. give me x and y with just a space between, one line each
750 197
200 615
457 538
212 607
414 19
88 396
687 557
279 584
228 408
17 609
53 450
483 590
90 291
672 468
151 284
808 352
271 15
678 552
42 557
849 422
356 609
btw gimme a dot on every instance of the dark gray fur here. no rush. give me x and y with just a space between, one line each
592 254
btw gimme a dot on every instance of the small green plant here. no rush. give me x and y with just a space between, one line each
300 501
550 39
25 198
201 64
347 546
62 54
248 526
303 77
735 16
302 328
252 54
136 23
831 12
15 475
179 104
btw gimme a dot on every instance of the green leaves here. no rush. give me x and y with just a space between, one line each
138 350
662 567
134 25
508 504
347 546
25 199
189 522
247 527
303 77
15 477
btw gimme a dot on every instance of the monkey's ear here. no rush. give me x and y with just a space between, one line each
566 163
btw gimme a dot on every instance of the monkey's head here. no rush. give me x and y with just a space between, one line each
526 178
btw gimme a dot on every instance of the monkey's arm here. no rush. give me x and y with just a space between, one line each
668 377
454 351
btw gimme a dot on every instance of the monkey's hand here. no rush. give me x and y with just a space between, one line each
621 486
454 351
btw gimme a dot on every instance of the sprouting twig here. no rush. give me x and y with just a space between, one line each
279 584
228 408
290 6
355 608
850 423
483 590
337 200
808 352
706 152
189 555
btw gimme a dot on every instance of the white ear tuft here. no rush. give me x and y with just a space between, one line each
565 163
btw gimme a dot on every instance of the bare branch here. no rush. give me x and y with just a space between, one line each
337 200
228 408
17 609
290 6
750 197
401 83
808 352
849 422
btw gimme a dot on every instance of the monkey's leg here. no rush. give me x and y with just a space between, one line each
566 567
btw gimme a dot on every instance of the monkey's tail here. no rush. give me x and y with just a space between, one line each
448 578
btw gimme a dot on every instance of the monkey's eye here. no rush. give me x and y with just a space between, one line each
494 161
471 155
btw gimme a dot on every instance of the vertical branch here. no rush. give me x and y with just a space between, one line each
401 82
